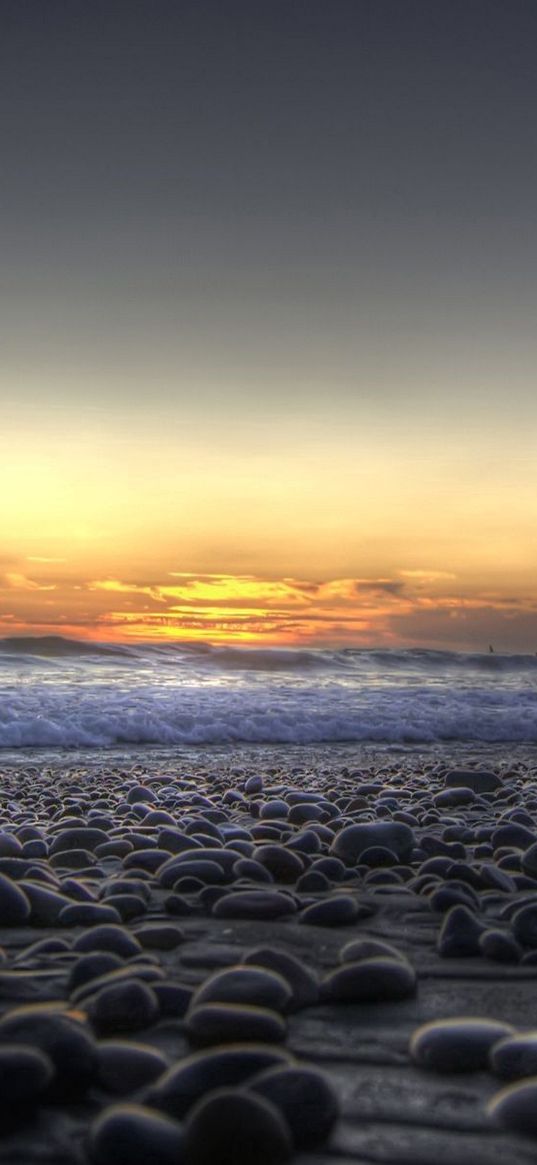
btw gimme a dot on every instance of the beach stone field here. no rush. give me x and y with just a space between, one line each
244 965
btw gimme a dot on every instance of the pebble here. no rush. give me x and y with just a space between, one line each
284 865
480 780
123 1007
525 925
460 934
109 938
186 1082
302 980
92 966
159 936
14 903
228 1023
25 1073
350 843
339 910
456 1045
515 1107
367 948
130 1134
235 1127
376 979
305 1098
254 904
245 983
87 914
66 1041
515 1056
124 1066
499 946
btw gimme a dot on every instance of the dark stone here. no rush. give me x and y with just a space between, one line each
302 980
304 1097
340 910
132 1135
254 904
350 843
125 1066
459 935
245 984
456 1045
499 947
229 1023
123 1007
109 938
480 780
284 865
88 914
14 903
515 1056
186 1082
373 980
515 1107
63 1039
234 1127
25 1073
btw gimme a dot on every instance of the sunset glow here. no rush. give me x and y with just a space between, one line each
289 336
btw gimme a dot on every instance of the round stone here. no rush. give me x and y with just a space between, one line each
525 926
14 904
350 843
235 1127
159 936
304 1097
25 1072
456 1045
229 1023
515 1107
109 938
367 948
283 864
125 1065
499 947
254 904
340 910
515 1056
88 914
480 780
448 798
92 966
186 1082
376 979
133 1135
245 984
127 1006
66 1042
302 980
460 934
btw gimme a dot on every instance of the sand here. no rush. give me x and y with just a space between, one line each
390 1106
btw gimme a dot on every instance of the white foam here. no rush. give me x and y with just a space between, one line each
46 714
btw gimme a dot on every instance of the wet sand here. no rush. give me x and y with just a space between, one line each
125 894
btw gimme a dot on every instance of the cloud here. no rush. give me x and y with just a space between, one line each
13 581
393 609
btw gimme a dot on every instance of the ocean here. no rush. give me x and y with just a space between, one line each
62 694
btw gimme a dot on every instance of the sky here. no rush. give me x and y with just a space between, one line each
267 321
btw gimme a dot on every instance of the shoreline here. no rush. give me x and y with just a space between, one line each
92 836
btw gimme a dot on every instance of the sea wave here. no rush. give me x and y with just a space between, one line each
69 717
266 659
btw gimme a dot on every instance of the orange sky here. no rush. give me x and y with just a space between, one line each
268 323
351 532
412 607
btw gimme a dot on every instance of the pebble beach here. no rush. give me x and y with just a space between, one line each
260 955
